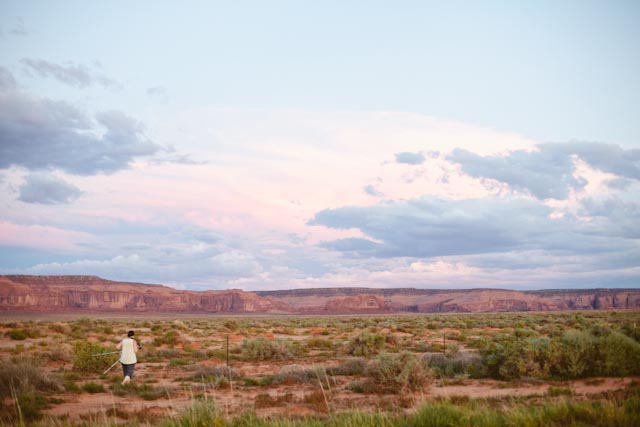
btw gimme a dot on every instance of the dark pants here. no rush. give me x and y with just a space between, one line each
127 370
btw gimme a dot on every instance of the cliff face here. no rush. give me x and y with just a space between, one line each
76 293
341 300
90 293
357 303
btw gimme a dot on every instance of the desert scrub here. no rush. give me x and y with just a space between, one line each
366 344
213 373
92 388
292 374
265 349
26 382
319 343
398 373
621 355
169 338
350 367
85 361
449 366
25 374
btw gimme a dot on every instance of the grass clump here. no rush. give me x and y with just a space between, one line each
213 373
26 383
92 388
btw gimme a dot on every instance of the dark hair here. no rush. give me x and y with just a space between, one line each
130 334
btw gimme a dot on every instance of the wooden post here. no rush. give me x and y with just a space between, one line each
444 343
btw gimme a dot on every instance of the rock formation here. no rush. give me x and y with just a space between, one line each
62 294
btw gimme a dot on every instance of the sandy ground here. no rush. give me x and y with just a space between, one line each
241 399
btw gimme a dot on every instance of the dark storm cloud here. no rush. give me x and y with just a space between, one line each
548 172
47 189
410 158
44 134
431 227
76 75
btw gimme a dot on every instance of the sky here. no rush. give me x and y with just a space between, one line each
300 144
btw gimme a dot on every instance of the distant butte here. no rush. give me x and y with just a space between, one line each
77 294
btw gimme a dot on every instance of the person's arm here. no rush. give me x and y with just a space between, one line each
119 346
135 346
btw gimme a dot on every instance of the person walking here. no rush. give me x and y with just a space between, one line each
128 359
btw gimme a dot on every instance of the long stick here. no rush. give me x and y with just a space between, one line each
104 354
117 361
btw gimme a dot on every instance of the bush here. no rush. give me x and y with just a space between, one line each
17 334
398 373
621 355
25 374
578 356
170 339
264 349
93 388
215 372
84 361
26 381
466 363
292 374
366 344
353 366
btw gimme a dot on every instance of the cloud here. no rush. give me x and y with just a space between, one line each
410 158
76 75
235 263
44 134
372 191
549 171
19 29
7 81
158 93
47 189
431 227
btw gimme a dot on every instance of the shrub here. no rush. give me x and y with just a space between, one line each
85 361
29 405
466 363
398 373
578 355
17 334
170 338
353 366
366 344
60 328
319 343
25 380
621 355
215 372
93 388
25 374
264 349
